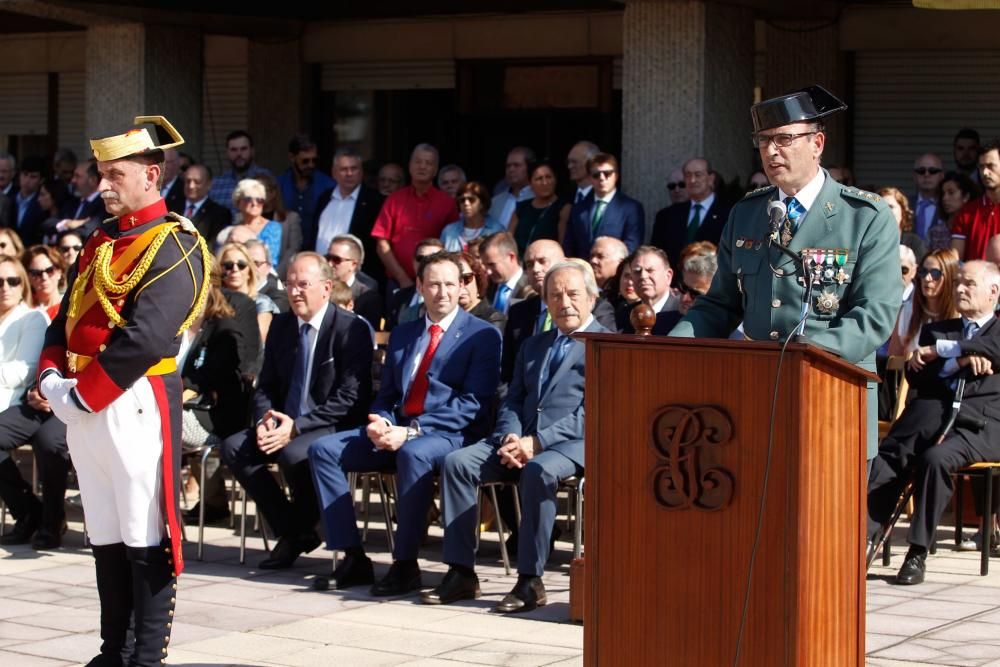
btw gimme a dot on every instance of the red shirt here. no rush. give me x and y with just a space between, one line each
407 219
976 223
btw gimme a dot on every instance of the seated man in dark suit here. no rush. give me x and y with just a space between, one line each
604 212
316 373
538 440
699 219
653 276
966 347
208 217
509 283
437 385
85 213
267 277
407 304
346 254
28 213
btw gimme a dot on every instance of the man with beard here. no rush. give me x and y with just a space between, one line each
979 220
301 184
239 150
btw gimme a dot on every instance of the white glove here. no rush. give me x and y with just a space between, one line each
57 391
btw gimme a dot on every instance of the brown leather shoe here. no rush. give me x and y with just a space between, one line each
527 594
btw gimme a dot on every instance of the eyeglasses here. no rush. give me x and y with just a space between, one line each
260 263
923 171
337 260
598 174
253 200
935 274
468 278
467 199
38 273
11 281
687 290
300 285
674 186
239 264
67 248
780 140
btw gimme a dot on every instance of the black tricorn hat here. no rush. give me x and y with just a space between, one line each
811 103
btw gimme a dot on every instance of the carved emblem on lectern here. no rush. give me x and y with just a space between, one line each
681 435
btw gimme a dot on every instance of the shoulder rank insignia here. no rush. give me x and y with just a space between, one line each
758 192
863 195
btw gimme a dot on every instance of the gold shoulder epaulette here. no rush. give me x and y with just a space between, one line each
862 195
185 223
758 192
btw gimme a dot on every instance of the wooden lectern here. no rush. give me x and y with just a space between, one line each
677 442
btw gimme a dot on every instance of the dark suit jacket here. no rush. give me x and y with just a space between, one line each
670 228
7 211
623 219
665 319
554 415
399 300
341 370
276 293
30 228
522 291
521 320
93 211
175 195
365 212
462 377
367 299
210 219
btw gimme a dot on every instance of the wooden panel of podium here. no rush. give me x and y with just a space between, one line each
677 447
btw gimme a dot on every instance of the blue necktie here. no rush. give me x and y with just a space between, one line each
502 297
970 329
556 357
794 216
922 226
297 387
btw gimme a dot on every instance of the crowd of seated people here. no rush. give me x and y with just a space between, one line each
477 288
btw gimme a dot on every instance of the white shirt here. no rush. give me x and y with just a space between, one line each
21 335
503 205
424 341
512 284
306 403
196 205
952 349
335 218
582 327
166 187
661 304
807 195
606 198
705 204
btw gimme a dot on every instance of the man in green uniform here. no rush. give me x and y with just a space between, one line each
845 239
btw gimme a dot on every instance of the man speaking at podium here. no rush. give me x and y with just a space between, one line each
844 243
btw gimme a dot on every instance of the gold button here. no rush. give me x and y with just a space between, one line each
167 550
169 624
173 574
111 325
121 302
173 586
102 347
173 600
167 638
170 612
163 650
775 303
774 335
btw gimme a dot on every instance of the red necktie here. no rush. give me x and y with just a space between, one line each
189 213
414 404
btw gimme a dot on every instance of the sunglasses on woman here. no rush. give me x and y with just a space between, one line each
467 199
253 200
12 281
935 274
239 264
468 278
38 273
686 289
67 248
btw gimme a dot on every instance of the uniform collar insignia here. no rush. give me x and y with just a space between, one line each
157 209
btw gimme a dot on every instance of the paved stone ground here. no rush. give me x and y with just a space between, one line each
232 614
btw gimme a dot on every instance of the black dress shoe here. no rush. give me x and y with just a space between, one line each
913 569
403 577
287 550
353 570
454 587
212 515
48 539
528 593
25 527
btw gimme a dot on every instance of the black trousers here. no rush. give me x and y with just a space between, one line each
288 518
909 451
20 424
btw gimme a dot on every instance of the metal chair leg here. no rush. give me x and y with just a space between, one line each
500 529
386 511
201 503
243 527
987 541
578 525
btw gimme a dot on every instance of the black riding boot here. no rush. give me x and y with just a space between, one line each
22 503
114 586
154 588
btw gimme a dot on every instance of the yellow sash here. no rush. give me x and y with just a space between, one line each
117 268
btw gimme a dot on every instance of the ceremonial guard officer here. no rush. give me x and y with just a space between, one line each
108 370
835 251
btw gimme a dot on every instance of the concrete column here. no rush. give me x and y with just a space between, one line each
275 100
687 85
134 69
801 54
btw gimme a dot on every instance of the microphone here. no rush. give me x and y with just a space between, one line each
776 211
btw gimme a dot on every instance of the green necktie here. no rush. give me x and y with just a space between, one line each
599 206
695 223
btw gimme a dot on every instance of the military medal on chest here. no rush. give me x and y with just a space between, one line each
824 267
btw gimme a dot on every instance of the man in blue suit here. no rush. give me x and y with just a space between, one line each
538 440
440 375
604 212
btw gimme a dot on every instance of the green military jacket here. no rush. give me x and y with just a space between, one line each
857 290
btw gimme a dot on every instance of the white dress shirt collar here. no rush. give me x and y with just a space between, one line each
445 322
606 198
514 280
807 195
582 327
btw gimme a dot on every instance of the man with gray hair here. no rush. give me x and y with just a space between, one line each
538 441
345 256
965 348
928 174
451 178
606 255
576 163
516 172
410 215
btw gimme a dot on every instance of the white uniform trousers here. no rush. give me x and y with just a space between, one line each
117 454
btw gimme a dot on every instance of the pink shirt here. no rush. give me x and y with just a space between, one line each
407 219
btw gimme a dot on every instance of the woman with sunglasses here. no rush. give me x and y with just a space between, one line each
250 198
22 331
933 300
11 244
476 223
901 211
46 277
69 245
472 287
543 217
239 275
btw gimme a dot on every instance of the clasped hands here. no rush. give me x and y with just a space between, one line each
928 353
515 451
385 436
275 431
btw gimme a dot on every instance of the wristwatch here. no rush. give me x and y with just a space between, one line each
413 430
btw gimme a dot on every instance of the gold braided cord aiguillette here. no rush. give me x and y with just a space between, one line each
105 283
199 304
